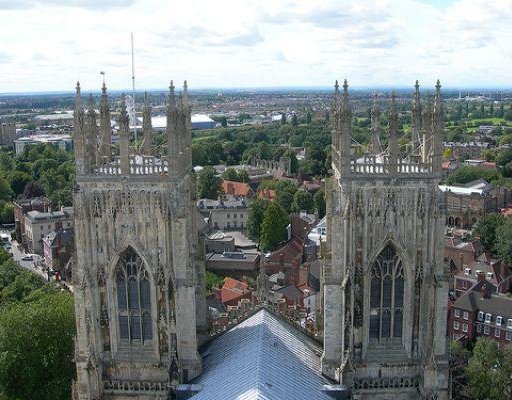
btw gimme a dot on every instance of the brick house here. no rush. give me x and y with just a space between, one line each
480 312
21 208
494 271
462 251
232 291
57 248
466 204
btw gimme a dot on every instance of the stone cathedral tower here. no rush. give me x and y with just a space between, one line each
138 274
385 282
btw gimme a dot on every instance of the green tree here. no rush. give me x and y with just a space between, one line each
6 212
295 120
508 114
198 154
36 348
19 180
230 175
208 183
224 122
5 189
489 372
320 203
255 219
273 227
24 284
285 191
294 163
303 200
33 189
504 157
243 176
283 119
213 280
489 154
467 173
503 241
486 230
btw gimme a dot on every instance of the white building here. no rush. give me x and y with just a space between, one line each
40 224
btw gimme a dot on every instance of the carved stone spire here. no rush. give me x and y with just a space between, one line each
335 134
426 128
147 143
105 126
375 127
345 106
92 135
172 132
124 138
345 133
416 115
438 129
393 135
80 140
186 126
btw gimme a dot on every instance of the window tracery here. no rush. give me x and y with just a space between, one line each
133 299
387 285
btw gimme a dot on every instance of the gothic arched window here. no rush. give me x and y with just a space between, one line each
387 284
133 299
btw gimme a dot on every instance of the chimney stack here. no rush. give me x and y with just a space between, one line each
483 292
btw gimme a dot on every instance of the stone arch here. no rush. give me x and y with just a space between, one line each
387 278
144 311
134 299
391 241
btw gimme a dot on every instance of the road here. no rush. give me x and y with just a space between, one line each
35 266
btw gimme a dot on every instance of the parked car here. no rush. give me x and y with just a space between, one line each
27 258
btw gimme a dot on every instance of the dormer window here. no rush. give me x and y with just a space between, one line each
509 323
499 320
489 275
467 271
488 318
480 316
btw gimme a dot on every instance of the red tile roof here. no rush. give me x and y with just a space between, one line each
235 188
232 290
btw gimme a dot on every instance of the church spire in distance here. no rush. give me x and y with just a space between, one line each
124 138
375 126
416 115
147 143
393 135
437 131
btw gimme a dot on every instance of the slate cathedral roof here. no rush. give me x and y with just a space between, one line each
262 358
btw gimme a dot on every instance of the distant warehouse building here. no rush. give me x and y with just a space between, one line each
64 142
202 121
199 121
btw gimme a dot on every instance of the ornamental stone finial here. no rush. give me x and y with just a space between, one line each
345 86
336 86
103 88
78 98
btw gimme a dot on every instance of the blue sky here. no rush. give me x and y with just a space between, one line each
50 44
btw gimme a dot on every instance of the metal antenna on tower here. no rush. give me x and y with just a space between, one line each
133 93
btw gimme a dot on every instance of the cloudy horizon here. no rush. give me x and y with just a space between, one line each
48 46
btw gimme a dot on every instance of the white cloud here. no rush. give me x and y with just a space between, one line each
48 45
